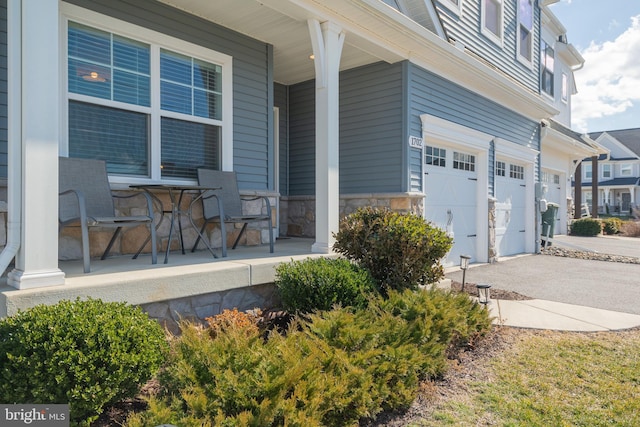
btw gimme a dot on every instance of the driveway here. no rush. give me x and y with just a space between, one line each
599 284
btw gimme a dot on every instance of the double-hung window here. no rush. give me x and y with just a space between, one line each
606 170
547 62
525 32
492 17
151 106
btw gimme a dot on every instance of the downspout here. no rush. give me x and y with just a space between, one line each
14 133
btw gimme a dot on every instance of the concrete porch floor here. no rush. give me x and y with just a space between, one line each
139 282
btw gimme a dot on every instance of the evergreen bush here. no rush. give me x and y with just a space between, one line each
401 251
88 354
586 227
321 283
611 225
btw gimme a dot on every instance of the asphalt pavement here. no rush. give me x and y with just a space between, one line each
604 285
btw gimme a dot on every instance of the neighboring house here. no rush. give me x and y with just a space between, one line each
617 174
435 107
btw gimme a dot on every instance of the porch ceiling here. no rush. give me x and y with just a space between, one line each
283 25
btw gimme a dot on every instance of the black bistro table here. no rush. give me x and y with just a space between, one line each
176 194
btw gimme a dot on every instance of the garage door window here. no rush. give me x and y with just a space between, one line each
501 169
435 156
516 172
463 161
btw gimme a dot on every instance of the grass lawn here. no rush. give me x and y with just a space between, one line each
545 378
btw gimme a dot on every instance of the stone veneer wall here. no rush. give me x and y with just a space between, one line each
298 212
197 308
70 245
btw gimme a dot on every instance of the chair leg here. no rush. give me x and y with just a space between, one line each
86 259
154 246
202 229
223 233
244 227
270 236
105 254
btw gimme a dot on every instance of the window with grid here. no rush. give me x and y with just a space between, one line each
435 156
525 31
547 62
516 171
606 171
556 179
491 20
125 111
588 171
463 161
501 168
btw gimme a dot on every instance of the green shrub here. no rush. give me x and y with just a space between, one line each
321 283
401 251
586 227
337 368
89 354
611 225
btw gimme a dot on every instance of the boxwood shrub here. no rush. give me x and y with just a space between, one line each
88 354
611 225
321 283
586 227
401 251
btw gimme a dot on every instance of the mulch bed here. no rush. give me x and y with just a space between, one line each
470 288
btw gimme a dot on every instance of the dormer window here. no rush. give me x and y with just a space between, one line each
492 20
525 32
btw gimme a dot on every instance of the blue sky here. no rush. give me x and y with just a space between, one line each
607 34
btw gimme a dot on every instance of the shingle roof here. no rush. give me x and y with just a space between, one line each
616 182
630 138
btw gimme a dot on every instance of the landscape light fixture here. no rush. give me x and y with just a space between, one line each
464 264
484 294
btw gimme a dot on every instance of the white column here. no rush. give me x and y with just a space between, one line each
38 118
327 40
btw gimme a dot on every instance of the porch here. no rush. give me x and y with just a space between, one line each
190 284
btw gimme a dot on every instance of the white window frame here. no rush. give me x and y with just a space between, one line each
564 94
497 39
157 41
543 67
626 169
606 171
525 61
588 171
453 7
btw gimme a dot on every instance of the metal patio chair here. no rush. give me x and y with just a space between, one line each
85 198
225 206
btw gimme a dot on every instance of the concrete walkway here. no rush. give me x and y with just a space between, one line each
569 294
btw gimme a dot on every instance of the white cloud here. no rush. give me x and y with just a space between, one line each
609 83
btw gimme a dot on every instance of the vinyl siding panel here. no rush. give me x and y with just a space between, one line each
252 85
371 129
3 89
302 139
467 29
434 95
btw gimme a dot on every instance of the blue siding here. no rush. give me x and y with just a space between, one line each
372 108
434 95
3 89
467 29
252 85
302 139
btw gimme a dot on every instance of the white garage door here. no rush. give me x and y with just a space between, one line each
511 205
450 187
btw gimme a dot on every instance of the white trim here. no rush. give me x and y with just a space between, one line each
455 8
497 39
156 42
527 62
